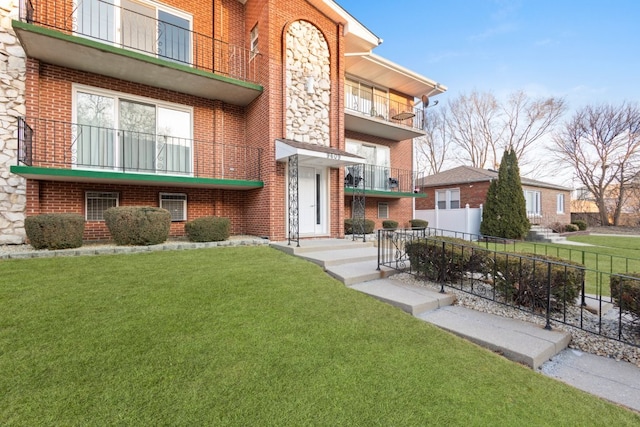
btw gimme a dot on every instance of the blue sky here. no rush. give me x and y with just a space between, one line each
585 51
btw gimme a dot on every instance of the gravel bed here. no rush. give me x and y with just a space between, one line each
581 340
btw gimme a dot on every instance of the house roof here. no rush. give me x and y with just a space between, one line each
468 174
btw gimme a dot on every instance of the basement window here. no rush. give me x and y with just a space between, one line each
176 204
96 202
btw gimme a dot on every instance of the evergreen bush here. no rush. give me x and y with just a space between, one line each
208 229
446 259
418 223
526 279
369 225
504 213
55 231
625 291
389 224
569 228
138 225
582 225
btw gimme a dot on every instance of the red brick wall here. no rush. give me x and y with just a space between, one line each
59 197
473 194
265 120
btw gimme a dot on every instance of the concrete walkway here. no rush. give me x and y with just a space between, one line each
355 263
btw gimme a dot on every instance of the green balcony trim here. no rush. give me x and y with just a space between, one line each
48 32
387 194
121 176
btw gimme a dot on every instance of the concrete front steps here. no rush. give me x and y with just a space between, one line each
355 264
538 233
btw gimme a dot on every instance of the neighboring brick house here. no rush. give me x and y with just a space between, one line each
276 115
464 185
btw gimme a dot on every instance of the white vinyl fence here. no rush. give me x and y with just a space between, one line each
463 220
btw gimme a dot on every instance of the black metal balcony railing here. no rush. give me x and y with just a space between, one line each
170 39
56 144
380 178
366 102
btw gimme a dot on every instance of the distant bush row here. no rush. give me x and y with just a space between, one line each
387 224
128 225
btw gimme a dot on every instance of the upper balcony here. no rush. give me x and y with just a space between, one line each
381 181
142 43
368 112
62 151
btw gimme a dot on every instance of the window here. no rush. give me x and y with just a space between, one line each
560 203
97 202
366 98
140 25
176 204
532 200
131 134
383 210
254 41
448 199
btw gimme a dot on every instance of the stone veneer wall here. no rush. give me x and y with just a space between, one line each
12 105
307 56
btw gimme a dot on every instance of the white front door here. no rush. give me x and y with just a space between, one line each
312 200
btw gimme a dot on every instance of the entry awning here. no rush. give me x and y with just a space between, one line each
313 154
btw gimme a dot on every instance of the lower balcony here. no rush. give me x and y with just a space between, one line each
62 151
380 181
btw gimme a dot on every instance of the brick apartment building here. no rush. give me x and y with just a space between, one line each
277 115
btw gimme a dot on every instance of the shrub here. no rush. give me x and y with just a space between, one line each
582 224
389 224
138 225
446 259
557 227
208 229
569 228
55 231
625 291
369 225
524 279
418 223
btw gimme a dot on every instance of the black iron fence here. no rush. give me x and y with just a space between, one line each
158 32
556 290
51 143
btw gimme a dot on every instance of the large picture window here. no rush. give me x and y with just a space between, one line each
141 25
377 169
117 131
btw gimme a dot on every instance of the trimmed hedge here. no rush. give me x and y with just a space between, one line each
369 225
55 231
525 279
569 228
445 259
625 292
208 229
138 225
582 225
389 224
418 223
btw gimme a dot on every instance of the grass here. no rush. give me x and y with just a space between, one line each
609 254
246 336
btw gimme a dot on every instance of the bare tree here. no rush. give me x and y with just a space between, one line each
528 120
602 144
481 127
432 149
474 127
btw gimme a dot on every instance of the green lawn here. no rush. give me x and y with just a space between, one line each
246 337
609 254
